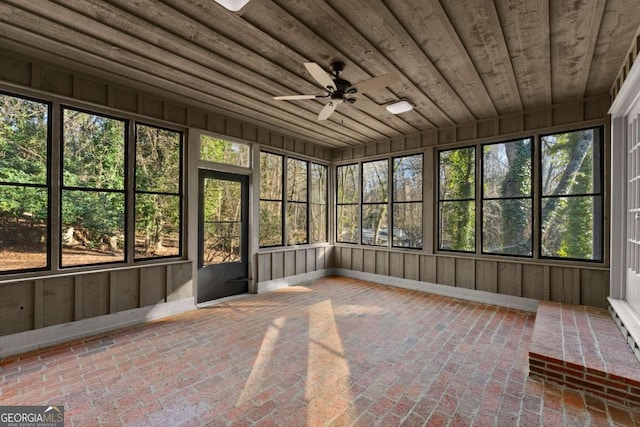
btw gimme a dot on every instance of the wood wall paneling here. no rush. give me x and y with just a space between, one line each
446 271
95 295
428 268
396 264
357 260
58 301
127 283
412 266
301 261
153 285
533 281
382 262
465 273
369 260
487 276
17 301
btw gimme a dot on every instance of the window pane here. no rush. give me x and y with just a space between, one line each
270 223
407 225
23 227
347 183
296 223
506 169
157 225
318 183
571 163
407 179
157 159
457 174
375 187
457 226
92 227
347 223
318 208
574 227
296 180
23 140
318 223
375 227
506 227
218 150
93 153
270 176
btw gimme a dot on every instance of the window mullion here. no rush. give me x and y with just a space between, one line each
130 193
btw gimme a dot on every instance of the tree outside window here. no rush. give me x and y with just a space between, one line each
571 195
24 183
507 204
93 190
158 192
407 201
271 195
456 199
347 207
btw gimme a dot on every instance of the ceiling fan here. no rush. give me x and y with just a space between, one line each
342 91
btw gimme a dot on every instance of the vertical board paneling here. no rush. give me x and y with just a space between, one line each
533 281
369 261
487 276
561 284
153 286
412 266
428 267
465 273
321 258
277 265
345 258
264 267
16 307
594 288
127 284
357 262
95 295
301 261
59 301
446 271
508 278
311 260
382 262
180 281
396 264
289 263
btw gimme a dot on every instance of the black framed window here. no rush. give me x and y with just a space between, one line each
571 213
347 204
457 199
406 202
93 188
24 183
318 203
507 198
375 203
158 192
271 199
297 201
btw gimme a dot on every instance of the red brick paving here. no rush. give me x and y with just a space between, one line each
337 352
582 348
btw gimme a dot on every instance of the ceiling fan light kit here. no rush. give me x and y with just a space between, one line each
400 107
232 5
339 90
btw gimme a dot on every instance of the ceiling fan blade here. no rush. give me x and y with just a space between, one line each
376 83
295 97
327 110
320 75
369 107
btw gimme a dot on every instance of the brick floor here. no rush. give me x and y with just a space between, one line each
337 352
581 347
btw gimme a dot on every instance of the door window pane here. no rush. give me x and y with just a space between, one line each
222 221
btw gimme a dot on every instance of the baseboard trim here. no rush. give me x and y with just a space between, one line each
272 285
23 342
509 301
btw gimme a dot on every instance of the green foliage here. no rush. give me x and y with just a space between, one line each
457 211
221 151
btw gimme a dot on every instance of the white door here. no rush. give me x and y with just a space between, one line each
632 123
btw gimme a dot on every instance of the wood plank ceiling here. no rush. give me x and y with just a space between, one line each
458 61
